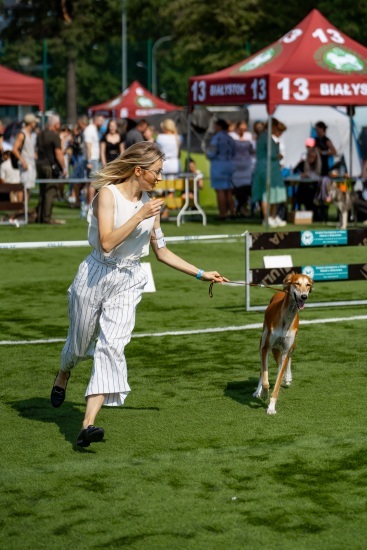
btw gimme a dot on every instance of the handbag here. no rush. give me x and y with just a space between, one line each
55 167
56 171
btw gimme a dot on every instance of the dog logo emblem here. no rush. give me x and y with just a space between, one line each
308 270
260 59
340 60
307 238
145 102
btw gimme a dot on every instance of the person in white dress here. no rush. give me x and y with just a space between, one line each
110 281
24 150
169 141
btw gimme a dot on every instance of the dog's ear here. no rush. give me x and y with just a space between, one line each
288 279
311 283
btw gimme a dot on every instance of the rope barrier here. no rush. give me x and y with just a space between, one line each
67 244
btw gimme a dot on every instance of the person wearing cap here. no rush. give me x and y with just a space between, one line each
24 151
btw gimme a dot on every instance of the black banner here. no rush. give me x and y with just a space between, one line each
308 239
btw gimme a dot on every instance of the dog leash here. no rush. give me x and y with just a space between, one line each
243 283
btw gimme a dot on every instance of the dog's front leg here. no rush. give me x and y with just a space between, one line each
287 379
274 396
344 219
263 385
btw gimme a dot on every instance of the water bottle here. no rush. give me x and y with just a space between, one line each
83 206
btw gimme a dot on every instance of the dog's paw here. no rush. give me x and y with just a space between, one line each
262 394
286 383
271 408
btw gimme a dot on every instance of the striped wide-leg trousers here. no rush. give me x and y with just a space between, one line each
102 304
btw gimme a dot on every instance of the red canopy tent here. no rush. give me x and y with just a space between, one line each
313 64
19 89
135 102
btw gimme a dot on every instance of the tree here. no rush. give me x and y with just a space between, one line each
74 39
84 40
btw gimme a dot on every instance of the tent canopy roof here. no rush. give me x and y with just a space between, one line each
135 102
313 64
19 89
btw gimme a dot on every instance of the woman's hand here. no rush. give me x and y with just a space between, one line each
214 277
151 208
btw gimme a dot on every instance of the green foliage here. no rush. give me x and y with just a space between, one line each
206 36
82 39
209 35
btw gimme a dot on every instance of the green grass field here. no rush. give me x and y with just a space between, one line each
192 461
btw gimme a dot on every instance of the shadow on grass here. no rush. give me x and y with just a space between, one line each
241 391
68 418
141 408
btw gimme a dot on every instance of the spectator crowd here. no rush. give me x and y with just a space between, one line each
238 157
239 171
61 152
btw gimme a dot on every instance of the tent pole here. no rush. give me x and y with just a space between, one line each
268 173
350 112
186 169
124 46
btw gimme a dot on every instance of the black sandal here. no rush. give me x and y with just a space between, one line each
89 435
58 394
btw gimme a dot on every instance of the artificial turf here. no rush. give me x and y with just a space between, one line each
192 461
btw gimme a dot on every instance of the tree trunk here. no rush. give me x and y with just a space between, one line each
71 110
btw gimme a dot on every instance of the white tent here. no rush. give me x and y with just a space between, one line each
300 120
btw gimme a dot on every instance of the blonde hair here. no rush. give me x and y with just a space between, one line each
317 163
169 126
143 154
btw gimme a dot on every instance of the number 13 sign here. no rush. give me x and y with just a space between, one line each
294 89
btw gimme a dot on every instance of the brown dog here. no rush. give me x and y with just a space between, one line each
279 333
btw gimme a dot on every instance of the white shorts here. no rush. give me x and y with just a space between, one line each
28 177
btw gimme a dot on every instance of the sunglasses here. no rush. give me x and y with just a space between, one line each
157 173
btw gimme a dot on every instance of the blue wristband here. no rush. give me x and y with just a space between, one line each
199 273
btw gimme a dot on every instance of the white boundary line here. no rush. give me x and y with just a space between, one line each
253 326
72 244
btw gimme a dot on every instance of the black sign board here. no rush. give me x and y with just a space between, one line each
308 239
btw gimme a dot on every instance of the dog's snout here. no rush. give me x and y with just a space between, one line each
304 296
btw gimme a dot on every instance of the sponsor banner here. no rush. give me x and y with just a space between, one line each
335 272
324 238
295 239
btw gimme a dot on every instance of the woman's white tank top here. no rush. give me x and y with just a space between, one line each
136 244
